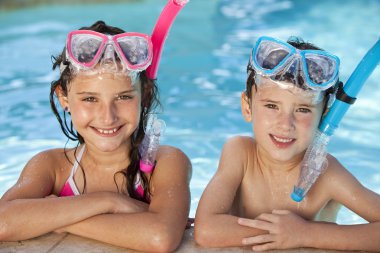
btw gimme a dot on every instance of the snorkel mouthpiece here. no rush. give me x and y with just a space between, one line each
151 143
160 32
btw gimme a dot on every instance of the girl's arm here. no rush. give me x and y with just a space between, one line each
214 225
160 229
26 213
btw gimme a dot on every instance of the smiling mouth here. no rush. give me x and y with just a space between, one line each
107 132
282 142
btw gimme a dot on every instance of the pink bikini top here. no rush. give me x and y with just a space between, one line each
70 188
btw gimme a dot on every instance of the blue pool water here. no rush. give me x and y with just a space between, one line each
201 76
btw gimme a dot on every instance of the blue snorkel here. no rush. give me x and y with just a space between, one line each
314 161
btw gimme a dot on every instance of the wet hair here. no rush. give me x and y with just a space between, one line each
149 101
300 44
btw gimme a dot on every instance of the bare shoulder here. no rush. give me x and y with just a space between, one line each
172 158
335 169
237 152
337 179
245 143
48 159
170 153
344 188
38 178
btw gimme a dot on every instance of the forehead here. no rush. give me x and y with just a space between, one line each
103 82
284 92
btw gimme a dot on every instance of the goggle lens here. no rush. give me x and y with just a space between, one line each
320 68
84 48
135 49
269 54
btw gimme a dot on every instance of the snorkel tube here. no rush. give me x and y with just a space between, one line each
160 32
151 141
314 161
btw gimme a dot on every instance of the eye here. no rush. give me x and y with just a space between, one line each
89 99
271 106
124 97
304 110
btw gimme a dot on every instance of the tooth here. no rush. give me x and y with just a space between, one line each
282 139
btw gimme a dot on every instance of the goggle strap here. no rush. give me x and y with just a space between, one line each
343 96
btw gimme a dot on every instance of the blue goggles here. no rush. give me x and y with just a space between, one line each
279 60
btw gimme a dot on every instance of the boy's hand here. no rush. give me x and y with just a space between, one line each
285 230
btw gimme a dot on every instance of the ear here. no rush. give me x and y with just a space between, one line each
62 98
245 107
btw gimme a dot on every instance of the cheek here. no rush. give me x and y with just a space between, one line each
307 122
310 121
263 117
80 115
80 111
131 110
308 126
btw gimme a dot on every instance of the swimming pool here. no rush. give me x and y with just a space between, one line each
201 75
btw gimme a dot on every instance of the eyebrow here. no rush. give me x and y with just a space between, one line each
278 102
266 100
307 105
96 93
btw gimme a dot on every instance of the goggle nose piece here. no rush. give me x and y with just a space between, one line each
292 72
108 60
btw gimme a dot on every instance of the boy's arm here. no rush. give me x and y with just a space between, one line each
287 230
160 229
348 191
214 225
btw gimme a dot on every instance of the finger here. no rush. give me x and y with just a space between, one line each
267 217
281 212
259 224
264 247
245 222
258 239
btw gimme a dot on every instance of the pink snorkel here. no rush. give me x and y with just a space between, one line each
150 144
160 32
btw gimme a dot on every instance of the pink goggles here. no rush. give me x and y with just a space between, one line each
84 49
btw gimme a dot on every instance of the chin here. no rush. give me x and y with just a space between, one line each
108 147
283 157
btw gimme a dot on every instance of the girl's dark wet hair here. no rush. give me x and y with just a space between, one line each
300 44
149 101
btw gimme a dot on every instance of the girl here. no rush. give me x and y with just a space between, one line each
289 88
103 89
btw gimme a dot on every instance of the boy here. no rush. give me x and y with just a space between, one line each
248 202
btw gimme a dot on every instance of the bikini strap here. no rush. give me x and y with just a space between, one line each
77 160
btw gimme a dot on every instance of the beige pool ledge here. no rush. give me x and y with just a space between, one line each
56 243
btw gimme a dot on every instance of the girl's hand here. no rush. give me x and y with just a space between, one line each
125 204
60 230
285 230
51 196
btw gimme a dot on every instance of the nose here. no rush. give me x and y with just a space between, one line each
286 121
108 114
